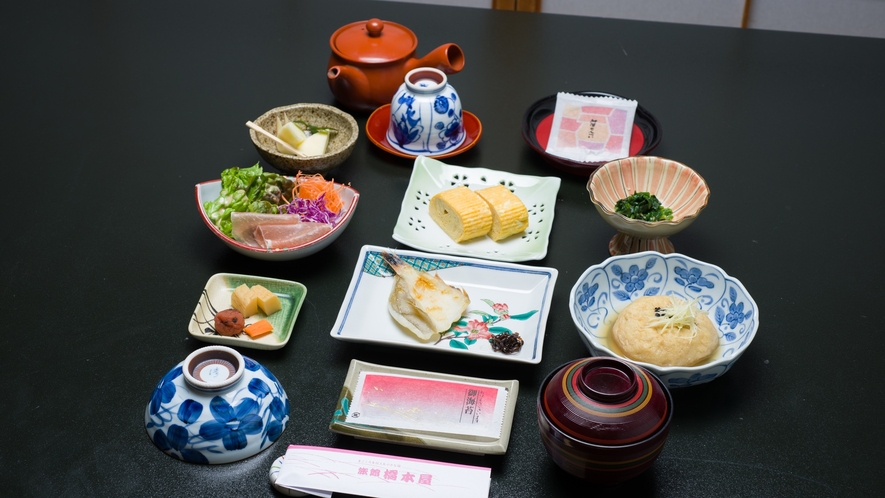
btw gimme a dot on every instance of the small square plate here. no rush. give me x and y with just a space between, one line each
504 297
429 177
216 297
449 442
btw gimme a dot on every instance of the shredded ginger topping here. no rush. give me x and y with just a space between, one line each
679 315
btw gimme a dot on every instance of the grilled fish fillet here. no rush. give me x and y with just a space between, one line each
423 303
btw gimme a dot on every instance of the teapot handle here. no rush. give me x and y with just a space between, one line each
374 26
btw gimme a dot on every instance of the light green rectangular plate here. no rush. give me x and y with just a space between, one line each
216 297
429 177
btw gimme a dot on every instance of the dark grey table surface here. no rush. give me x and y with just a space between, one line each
113 111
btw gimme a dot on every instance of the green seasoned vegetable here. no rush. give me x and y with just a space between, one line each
643 206
314 129
247 189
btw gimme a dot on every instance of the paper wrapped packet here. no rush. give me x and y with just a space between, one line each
591 129
509 214
461 213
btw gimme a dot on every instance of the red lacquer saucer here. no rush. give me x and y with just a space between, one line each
376 129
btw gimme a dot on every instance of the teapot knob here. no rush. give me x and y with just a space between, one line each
374 27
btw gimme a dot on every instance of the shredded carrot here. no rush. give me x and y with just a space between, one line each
313 186
259 329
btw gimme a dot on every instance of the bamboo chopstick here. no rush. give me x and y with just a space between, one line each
273 137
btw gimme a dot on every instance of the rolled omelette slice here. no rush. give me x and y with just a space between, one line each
461 213
509 214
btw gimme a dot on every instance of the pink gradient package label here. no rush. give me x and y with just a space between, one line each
591 129
428 405
321 471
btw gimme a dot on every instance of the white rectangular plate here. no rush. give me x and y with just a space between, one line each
429 177
504 297
452 442
216 297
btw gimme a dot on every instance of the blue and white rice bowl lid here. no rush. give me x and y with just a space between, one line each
216 406
426 117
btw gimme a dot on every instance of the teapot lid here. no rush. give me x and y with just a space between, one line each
373 41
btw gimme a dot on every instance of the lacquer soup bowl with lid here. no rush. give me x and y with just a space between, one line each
604 420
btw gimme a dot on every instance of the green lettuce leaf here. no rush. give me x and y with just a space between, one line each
247 190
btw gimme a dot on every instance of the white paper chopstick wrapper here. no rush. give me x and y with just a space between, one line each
322 471
591 129
428 405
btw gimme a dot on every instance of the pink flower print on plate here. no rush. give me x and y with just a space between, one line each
467 333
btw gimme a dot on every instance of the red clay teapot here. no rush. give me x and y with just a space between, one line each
370 59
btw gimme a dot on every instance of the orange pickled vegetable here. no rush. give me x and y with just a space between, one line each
313 186
259 329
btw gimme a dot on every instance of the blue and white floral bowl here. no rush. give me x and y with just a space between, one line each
604 290
426 117
216 406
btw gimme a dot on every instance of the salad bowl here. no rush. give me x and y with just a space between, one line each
605 289
210 190
677 186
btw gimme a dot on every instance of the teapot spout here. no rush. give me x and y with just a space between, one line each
350 86
448 58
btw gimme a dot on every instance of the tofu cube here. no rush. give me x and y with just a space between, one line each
268 302
244 301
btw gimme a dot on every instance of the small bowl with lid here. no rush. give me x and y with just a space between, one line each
604 420
426 116
217 406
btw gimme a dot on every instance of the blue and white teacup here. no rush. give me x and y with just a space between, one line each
425 114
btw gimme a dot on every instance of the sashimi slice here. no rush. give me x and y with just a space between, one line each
277 236
243 225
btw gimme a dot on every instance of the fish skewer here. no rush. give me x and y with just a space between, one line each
424 304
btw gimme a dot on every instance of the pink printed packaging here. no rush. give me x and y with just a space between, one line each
591 129
428 405
318 471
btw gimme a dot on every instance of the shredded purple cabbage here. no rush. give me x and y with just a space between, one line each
312 210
